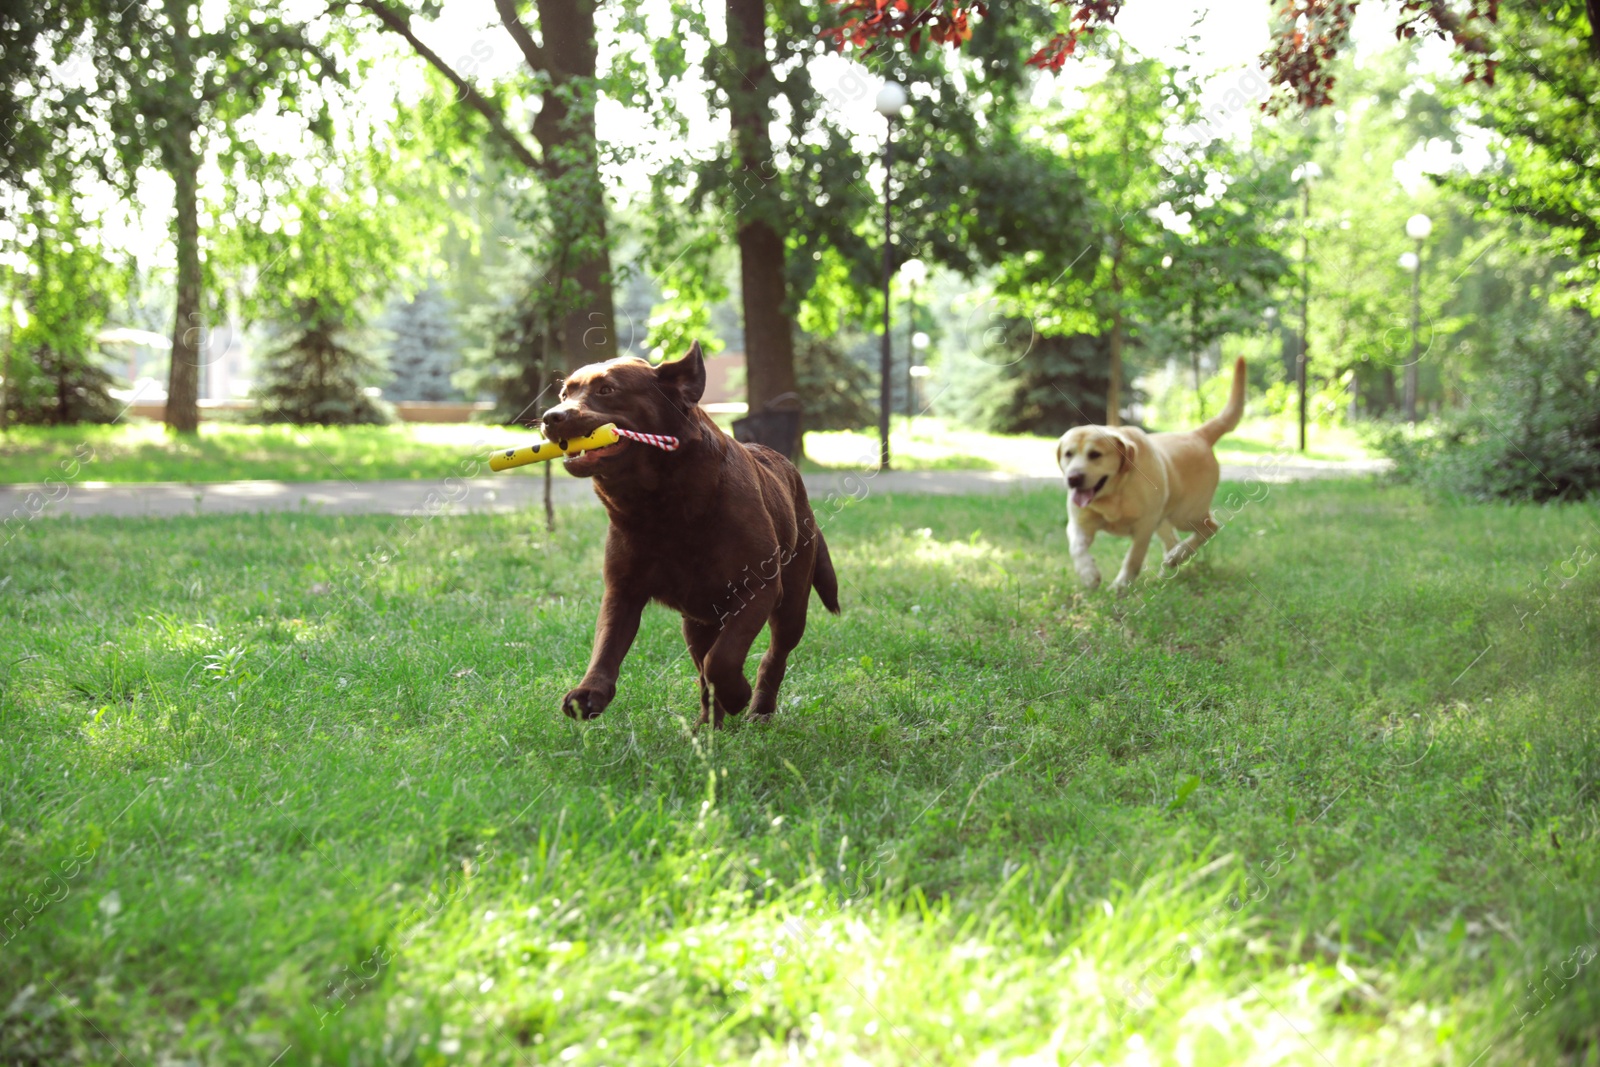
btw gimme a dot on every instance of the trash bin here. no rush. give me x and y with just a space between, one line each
776 425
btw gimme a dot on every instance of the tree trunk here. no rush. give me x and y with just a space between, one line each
768 330
1194 362
578 269
182 161
565 129
183 381
1114 387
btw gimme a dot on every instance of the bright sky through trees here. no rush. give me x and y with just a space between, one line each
1228 36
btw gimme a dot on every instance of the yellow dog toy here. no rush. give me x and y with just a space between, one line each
517 457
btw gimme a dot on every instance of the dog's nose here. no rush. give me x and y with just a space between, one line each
553 418
1074 480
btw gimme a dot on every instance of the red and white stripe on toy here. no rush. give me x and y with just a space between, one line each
661 441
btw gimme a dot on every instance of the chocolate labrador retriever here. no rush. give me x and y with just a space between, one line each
718 531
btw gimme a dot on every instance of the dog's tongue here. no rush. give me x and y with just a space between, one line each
1081 498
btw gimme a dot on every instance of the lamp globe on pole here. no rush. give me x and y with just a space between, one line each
890 103
891 100
1418 227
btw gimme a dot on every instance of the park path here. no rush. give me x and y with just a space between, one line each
519 491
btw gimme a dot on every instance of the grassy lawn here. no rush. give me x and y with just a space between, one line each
296 787
224 452
940 444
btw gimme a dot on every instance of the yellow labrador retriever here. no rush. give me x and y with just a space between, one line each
1123 481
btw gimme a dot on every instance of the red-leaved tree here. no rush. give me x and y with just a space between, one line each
1306 34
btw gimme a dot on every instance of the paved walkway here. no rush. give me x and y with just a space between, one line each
512 492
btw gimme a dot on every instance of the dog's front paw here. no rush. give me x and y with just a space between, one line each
1122 586
1090 577
1175 557
585 702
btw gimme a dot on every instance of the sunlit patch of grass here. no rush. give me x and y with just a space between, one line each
1258 438
934 443
1326 796
145 452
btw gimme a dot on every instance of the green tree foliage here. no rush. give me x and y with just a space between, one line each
835 387
1543 106
969 190
1360 294
173 84
572 273
1222 256
1060 383
326 252
518 363
55 374
316 375
1534 431
37 44
425 351
1185 236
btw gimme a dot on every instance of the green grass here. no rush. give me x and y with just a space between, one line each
934 443
224 452
296 787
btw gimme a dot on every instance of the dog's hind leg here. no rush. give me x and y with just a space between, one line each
1200 533
788 626
724 661
1169 536
700 636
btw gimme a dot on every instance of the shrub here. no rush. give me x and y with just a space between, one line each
1532 432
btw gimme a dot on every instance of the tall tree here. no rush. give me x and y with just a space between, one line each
55 374
768 325
1543 109
322 261
425 351
1308 36
576 272
1117 145
173 90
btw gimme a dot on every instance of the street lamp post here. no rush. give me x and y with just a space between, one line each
891 101
1305 174
919 344
921 370
915 272
1417 228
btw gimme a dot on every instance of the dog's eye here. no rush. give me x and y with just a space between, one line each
605 390
1094 455
1067 454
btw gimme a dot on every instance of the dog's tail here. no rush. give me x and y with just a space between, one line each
1229 417
823 579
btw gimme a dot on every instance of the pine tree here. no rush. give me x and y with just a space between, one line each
426 350
834 387
1060 383
313 377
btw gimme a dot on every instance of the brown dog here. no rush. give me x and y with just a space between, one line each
718 531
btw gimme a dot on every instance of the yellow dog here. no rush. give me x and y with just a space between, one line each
1123 481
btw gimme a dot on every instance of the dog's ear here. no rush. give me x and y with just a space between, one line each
684 379
1127 446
